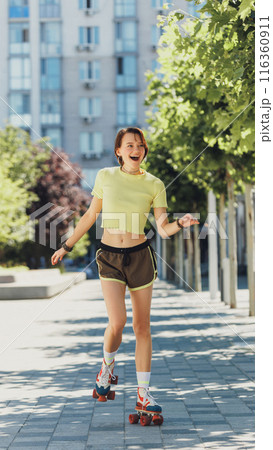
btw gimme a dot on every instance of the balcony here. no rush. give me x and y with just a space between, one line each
18 11
50 118
49 11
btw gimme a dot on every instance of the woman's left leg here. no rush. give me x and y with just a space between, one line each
141 304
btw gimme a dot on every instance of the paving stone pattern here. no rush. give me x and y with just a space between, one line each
202 373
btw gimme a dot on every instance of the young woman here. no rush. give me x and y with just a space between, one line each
125 195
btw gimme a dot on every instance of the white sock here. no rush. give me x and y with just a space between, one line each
143 379
109 357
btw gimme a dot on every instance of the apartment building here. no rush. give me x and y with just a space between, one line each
74 70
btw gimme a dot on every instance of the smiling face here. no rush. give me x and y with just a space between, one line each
132 151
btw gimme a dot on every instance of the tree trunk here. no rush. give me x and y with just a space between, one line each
197 261
178 260
212 245
164 259
223 252
232 245
250 247
181 259
158 250
189 258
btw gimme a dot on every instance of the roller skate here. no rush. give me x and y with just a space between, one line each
104 380
147 409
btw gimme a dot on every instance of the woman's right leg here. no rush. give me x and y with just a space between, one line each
114 297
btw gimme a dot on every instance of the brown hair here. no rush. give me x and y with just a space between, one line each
122 133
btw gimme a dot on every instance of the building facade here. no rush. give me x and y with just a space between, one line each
74 70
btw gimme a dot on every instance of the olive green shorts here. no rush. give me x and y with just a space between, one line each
133 266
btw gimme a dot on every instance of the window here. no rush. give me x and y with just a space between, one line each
127 108
126 35
50 108
89 35
50 8
89 177
89 70
20 103
18 8
50 73
90 107
158 3
156 67
50 38
126 72
125 8
20 73
156 34
19 38
193 9
54 134
89 4
91 144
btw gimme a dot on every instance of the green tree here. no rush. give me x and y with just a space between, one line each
207 67
202 96
21 165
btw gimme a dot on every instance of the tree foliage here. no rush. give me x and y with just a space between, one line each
200 98
32 175
61 186
22 163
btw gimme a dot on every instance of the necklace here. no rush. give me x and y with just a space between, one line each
130 173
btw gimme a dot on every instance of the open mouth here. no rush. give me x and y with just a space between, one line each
134 158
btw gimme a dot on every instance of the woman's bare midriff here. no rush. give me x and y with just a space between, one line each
118 238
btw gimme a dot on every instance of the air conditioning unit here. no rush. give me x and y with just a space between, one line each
80 47
87 155
89 47
89 11
160 10
89 83
91 154
88 119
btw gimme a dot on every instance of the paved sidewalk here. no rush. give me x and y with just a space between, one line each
202 374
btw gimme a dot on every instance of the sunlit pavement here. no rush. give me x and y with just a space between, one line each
202 373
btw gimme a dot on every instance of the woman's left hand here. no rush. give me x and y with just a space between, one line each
188 220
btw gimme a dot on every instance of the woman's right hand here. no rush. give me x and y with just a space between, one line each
58 255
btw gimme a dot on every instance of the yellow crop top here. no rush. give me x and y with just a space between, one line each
127 199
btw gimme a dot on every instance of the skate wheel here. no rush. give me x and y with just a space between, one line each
133 418
115 380
111 395
95 395
145 420
157 419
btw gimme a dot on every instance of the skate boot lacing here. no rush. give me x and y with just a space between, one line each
148 397
106 372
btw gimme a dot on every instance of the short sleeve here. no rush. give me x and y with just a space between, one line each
160 198
98 186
